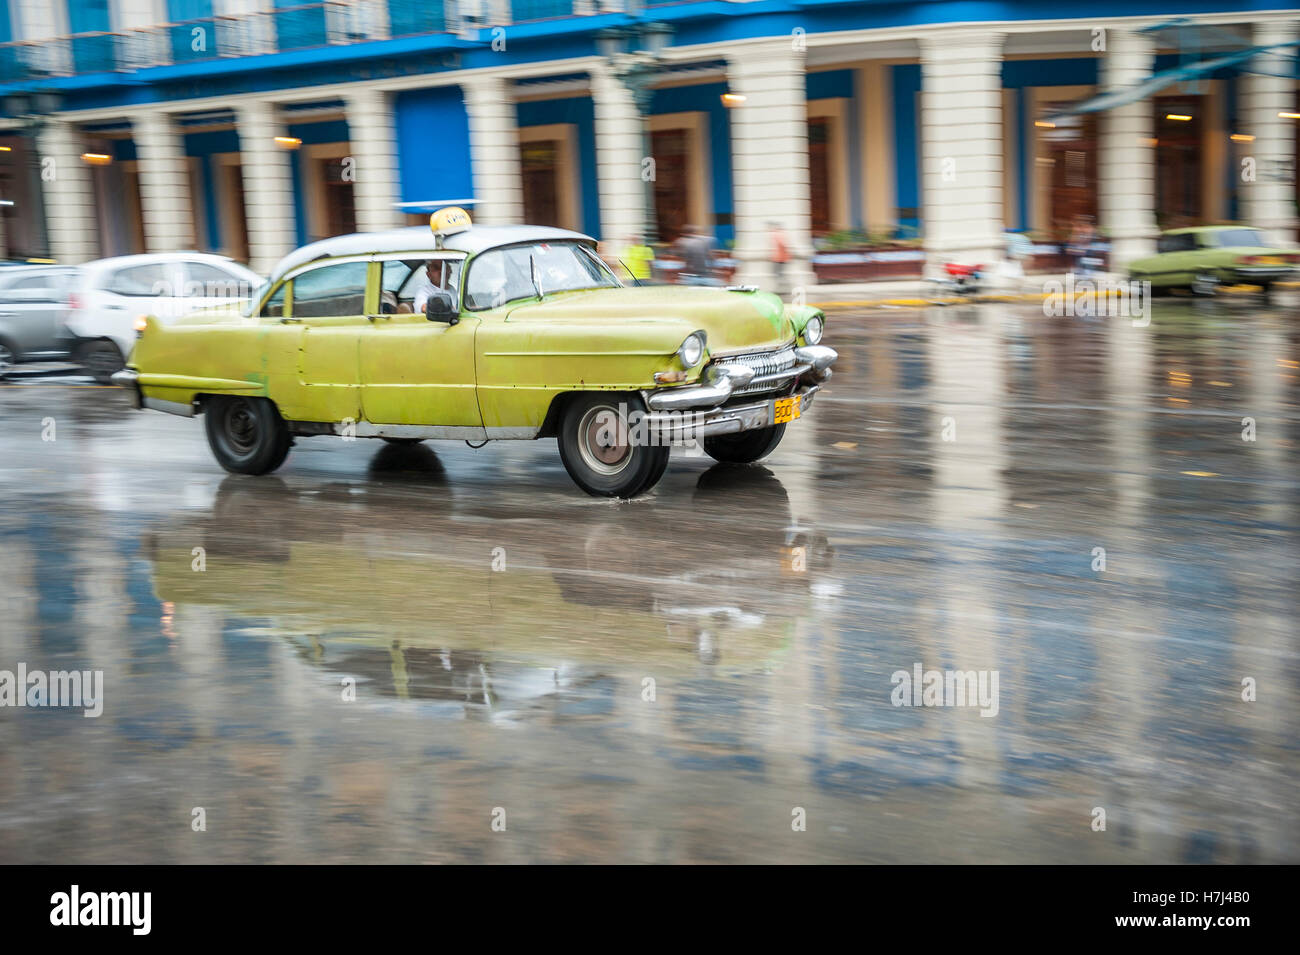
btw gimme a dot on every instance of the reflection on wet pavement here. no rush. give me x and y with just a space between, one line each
363 656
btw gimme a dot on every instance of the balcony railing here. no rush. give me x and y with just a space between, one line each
284 29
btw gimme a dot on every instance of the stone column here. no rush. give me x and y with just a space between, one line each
619 154
961 141
166 198
374 154
69 194
1126 160
494 150
769 154
268 185
1269 200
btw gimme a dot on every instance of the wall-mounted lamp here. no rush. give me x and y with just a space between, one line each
732 99
288 142
96 159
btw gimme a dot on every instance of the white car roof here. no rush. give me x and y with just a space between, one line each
420 240
116 262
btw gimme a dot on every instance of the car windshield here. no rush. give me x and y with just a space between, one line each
503 275
1237 238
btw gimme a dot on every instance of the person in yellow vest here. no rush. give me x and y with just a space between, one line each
637 257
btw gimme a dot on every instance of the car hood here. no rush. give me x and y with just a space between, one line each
734 321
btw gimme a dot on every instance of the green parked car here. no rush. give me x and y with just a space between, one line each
1202 258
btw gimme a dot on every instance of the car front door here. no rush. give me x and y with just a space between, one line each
329 302
414 371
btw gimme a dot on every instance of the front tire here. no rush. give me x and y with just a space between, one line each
247 435
1205 284
599 446
744 447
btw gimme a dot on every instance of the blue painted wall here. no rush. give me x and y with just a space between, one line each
433 145
707 97
203 145
906 82
91 54
581 112
182 36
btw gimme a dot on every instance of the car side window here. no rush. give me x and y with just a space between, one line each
41 285
152 279
330 291
204 280
274 307
406 283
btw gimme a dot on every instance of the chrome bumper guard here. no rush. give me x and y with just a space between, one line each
130 380
674 427
811 361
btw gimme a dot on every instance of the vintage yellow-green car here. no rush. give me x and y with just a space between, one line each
483 333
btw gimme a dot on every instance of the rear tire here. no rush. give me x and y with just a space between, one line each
247 435
8 357
101 360
744 447
598 450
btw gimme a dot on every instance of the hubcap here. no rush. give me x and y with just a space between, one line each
6 359
240 428
603 440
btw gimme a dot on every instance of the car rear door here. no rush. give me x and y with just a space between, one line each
329 302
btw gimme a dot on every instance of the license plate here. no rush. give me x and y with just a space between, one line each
785 409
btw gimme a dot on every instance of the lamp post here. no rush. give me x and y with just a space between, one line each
634 54
31 108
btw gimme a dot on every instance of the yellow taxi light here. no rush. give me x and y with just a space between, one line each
449 221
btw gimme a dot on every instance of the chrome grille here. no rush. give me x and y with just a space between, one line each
763 363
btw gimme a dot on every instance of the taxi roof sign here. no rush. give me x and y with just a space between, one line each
449 221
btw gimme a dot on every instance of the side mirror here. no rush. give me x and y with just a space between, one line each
441 308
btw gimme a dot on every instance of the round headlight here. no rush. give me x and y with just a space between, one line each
692 351
812 332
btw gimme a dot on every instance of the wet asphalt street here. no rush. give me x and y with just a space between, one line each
674 678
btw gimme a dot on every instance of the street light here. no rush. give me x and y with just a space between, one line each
634 53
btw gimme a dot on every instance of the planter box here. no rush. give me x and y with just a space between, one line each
866 265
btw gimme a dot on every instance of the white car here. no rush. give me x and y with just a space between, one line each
110 294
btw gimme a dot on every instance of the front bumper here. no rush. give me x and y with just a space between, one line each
674 427
812 365
1255 274
130 381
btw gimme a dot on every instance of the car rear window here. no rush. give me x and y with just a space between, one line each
152 279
